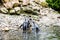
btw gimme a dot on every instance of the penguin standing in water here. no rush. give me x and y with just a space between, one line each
26 25
36 27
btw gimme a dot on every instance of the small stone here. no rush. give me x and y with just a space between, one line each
12 11
6 29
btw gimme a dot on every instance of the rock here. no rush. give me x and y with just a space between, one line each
15 1
37 8
17 8
44 4
15 5
26 2
18 12
6 0
4 10
24 8
37 1
44 11
6 29
42 0
12 11
10 3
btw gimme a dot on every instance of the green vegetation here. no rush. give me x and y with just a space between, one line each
55 4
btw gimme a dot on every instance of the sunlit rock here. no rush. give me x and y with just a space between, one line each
18 12
17 8
37 8
10 3
26 2
4 10
37 1
15 1
5 0
44 4
42 0
44 11
6 29
12 11
31 1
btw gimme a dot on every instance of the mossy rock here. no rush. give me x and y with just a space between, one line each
44 4
15 5
18 12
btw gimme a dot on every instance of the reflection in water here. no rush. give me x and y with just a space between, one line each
33 35
30 36
45 34
18 35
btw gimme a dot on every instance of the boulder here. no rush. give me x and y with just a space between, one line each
26 2
10 3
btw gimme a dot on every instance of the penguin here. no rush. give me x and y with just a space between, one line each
36 27
26 25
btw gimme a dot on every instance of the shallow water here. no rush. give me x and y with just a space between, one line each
43 34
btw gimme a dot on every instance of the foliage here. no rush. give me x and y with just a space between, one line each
55 4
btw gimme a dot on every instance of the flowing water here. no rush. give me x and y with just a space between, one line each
45 33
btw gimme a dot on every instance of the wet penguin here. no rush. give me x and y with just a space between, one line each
26 25
36 27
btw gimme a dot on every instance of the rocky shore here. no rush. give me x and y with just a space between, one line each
47 17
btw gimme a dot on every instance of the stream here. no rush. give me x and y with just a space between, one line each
43 34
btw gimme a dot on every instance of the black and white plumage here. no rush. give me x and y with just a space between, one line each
36 27
26 25
29 24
